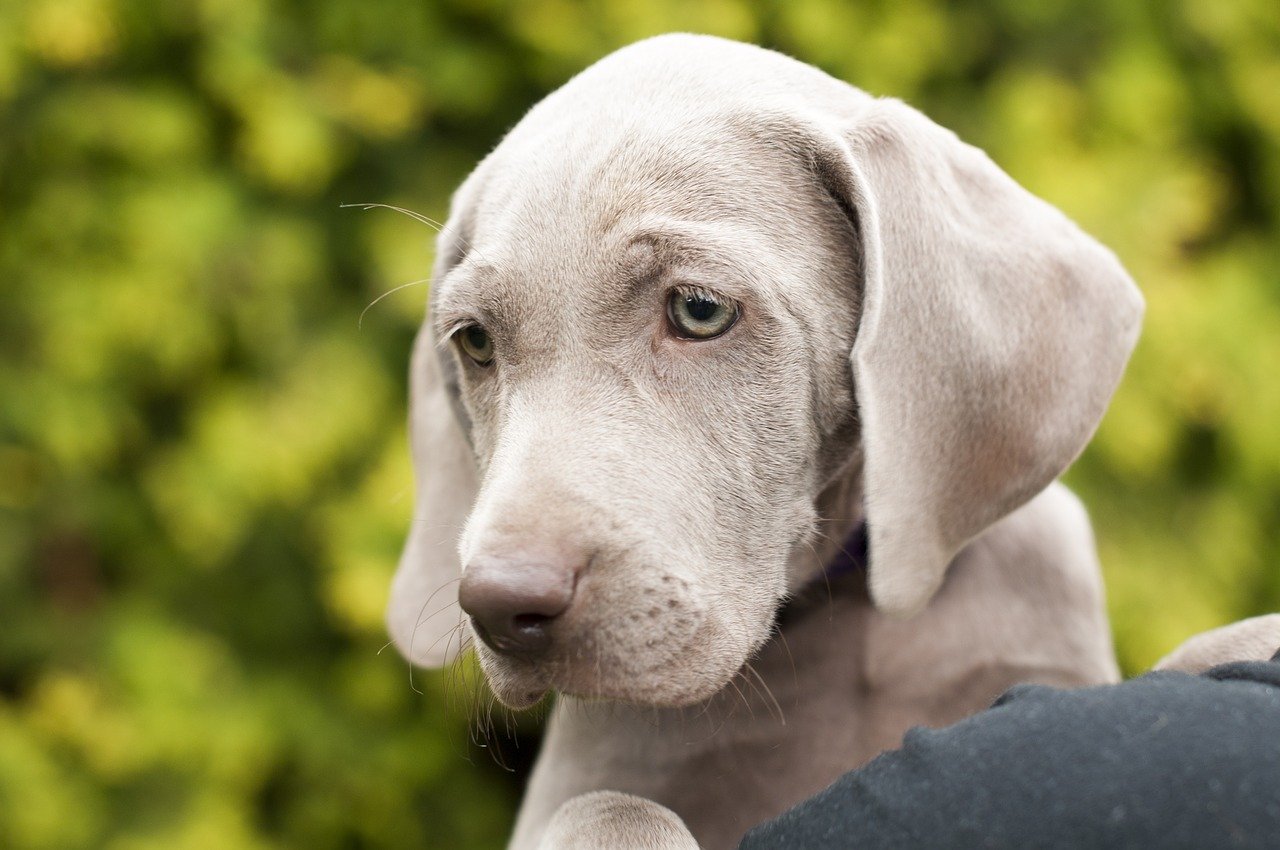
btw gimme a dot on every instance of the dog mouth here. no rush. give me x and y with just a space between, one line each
673 667
589 675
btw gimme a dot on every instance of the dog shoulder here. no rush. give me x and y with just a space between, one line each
1023 602
1037 575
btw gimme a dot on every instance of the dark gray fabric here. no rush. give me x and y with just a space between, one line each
1166 760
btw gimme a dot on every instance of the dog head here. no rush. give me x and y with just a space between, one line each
690 295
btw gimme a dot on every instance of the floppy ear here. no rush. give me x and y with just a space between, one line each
423 616
993 333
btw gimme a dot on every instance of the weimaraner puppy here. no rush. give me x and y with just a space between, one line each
736 422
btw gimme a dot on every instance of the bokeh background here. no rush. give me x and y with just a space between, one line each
204 478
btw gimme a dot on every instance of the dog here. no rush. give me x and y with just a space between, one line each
736 422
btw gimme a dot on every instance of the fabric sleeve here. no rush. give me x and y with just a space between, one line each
1165 760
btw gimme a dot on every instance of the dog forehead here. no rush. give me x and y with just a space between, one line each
676 120
578 190
563 218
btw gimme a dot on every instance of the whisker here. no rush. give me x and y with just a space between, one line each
826 579
795 674
782 719
456 631
392 291
743 699
732 709
436 612
419 621
416 216
439 227
839 546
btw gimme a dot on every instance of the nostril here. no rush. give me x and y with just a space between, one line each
529 634
530 622
524 635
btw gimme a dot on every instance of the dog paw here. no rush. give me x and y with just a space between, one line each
1255 639
615 820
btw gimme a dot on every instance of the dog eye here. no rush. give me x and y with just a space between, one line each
476 343
700 315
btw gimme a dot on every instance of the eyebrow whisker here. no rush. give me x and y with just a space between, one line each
416 216
392 291
439 227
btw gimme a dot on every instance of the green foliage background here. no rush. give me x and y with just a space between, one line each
203 472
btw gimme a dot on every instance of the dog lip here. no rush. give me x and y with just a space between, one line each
524 699
533 697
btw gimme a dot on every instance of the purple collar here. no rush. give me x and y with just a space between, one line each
851 559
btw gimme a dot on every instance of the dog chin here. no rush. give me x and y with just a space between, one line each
516 685
524 691
680 682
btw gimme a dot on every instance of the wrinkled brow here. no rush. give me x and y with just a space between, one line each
460 297
691 251
683 252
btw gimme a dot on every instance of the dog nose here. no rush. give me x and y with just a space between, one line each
513 603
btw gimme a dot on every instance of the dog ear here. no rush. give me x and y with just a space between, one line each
423 616
992 335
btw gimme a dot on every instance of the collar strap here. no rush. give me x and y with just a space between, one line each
850 559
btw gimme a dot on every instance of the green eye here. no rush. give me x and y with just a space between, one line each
700 315
476 343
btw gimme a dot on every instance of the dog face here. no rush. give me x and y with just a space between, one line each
692 291
649 383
